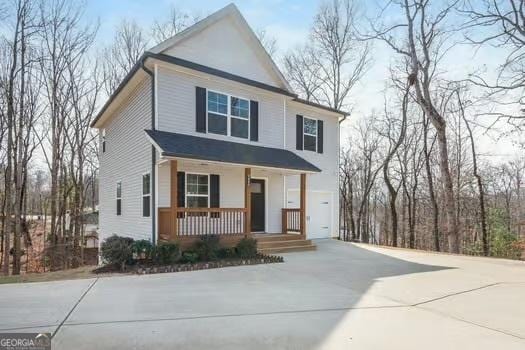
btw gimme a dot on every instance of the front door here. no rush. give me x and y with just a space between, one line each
257 189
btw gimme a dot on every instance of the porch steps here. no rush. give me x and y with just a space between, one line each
282 243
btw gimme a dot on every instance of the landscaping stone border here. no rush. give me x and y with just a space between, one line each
205 265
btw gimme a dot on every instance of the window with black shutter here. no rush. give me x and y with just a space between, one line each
310 134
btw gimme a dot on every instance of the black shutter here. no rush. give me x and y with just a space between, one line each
181 189
319 136
214 194
200 109
299 132
254 121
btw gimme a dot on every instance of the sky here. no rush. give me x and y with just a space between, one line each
289 22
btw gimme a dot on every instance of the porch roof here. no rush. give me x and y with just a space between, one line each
172 144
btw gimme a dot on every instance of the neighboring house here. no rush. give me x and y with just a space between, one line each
205 136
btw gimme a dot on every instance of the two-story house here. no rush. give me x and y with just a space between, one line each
205 136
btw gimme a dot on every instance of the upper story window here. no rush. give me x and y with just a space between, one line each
310 134
228 115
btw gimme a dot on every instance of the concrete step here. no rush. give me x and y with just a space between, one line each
285 243
301 248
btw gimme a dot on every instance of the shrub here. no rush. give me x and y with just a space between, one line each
503 243
246 248
207 247
142 249
226 253
117 250
190 257
166 253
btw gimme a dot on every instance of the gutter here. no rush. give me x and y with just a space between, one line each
153 151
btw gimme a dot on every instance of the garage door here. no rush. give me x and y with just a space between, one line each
318 212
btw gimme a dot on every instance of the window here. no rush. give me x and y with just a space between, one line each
119 198
239 111
310 134
197 191
217 113
103 140
146 195
228 115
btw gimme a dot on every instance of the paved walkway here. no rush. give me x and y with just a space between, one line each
343 296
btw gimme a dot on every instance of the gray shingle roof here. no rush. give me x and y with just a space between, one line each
203 148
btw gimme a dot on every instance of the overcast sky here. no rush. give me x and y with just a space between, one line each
289 22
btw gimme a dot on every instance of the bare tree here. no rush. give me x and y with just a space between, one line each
129 43
423 43
176 22
268 42
339 59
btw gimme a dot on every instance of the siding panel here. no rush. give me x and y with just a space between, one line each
127 158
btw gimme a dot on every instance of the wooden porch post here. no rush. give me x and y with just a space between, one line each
173 198
302 205
247 201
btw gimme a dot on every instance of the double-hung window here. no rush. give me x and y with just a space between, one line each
228 115
310 134
197 191
146 195
119 198
217 113
240 112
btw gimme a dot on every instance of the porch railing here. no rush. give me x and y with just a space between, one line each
202 221
291 220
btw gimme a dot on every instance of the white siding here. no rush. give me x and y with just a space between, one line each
127 158
328 161
176 106
225 46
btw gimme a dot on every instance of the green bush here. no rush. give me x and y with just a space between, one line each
207 247
117 250
190 257
166 253
503 243
142 249
226 253
246 248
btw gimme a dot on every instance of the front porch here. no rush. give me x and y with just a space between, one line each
185 222
208 186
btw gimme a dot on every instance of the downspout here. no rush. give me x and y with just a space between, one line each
153 154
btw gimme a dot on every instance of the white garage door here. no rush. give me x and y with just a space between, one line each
318 212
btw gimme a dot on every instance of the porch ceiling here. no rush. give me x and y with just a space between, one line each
202 148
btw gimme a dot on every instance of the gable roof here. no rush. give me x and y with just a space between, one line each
232 12
203 148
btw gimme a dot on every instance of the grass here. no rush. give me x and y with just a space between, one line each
71 274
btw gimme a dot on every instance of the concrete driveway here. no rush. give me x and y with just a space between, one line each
343 296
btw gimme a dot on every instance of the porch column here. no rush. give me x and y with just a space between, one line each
302 205
247 201
173 198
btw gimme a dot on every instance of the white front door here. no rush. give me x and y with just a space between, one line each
318 212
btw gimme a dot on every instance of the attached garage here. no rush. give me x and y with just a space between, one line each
319 212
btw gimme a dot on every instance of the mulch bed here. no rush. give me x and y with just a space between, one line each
142 269
205 265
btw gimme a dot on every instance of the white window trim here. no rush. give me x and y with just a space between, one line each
228 114
195 195
316 133
117 197
146 195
